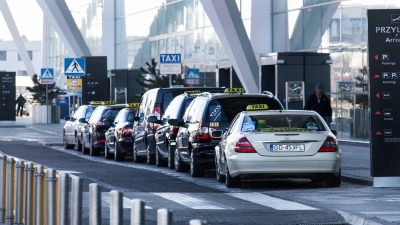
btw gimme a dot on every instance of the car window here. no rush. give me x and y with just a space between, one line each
78 113
88 112
225 109
131 115
110 114
233 124
120 114
172 111
198 111
283 123
187 116
168 97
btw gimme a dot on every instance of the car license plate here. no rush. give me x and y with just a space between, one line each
286 148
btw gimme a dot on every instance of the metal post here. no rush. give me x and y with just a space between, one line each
76 201
94 204
197 222
51 206
137 212
47 105
18 192
63 201
10 191
116 210
3 159
29 172
164 217
39 195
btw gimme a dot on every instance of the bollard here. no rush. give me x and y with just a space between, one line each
197 222
116 213
29 172
51 205
10 191
164 217
94 204
76 200
63 191
137 212
3 159
39 195
18 191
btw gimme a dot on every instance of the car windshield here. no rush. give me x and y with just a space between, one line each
110 114
224 110
276 123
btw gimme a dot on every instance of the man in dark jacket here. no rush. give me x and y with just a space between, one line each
320 103
20 101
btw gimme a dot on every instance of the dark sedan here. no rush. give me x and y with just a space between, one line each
119 136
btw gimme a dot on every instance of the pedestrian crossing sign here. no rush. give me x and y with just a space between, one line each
74 66
46 75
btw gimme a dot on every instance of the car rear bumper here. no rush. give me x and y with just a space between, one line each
250 164
126 145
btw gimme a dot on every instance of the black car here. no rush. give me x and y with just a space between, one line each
93 133
73 126
165 134
195 147
153 103
119 136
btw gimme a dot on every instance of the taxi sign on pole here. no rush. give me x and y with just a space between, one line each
170 64
74 66
47 76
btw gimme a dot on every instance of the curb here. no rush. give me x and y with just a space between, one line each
356 218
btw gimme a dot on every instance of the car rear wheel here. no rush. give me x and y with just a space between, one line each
78 145
65 143
196 168
150 158
171 152
84 149
180 166
107 153
333 181
136 158
231 182
218 175
93 150
118 156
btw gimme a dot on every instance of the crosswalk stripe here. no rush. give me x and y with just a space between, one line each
5 139
126 202
191 202
269 201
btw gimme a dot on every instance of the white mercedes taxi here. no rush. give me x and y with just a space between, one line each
262 143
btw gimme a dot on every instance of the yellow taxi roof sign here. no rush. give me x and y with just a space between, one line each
257 107
109 103
234 90
96 102
192 92
132 105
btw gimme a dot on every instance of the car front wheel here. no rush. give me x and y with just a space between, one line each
218 175
78 145
65 143
136 158
196 168
84 149
333 181
93 150
171 152
107 153
118 156
180 166
150 158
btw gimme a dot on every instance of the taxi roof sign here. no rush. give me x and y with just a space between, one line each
257 107
132 105
192 92
109 103
177 86
102 102
234 90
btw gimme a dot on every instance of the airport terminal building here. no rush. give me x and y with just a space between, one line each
228 43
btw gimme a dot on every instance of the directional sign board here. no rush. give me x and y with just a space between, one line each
47 76
170 64
74 66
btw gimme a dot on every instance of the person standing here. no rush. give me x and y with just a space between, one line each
320 103
20 102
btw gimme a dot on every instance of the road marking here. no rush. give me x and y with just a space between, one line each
5 139
269 201
191 202
126 202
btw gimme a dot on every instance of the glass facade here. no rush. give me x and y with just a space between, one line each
144 29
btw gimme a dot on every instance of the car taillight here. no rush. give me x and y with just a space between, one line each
243 146
175 129
329 145
127 130
204 133
157 113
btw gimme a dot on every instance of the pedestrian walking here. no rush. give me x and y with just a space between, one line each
320 103
20 105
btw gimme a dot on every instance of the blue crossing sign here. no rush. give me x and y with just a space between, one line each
74 66
46 75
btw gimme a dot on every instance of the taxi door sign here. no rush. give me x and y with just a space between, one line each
74 86
47 76
74 66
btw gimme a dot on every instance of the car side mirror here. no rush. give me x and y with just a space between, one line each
216 133
152 119
82 120
132 119
174 122
334 132
67 118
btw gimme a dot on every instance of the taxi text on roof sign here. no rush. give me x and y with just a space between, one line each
234 90
257 107
109 103
96 102
192 92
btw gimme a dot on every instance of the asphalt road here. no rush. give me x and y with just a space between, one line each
286 201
